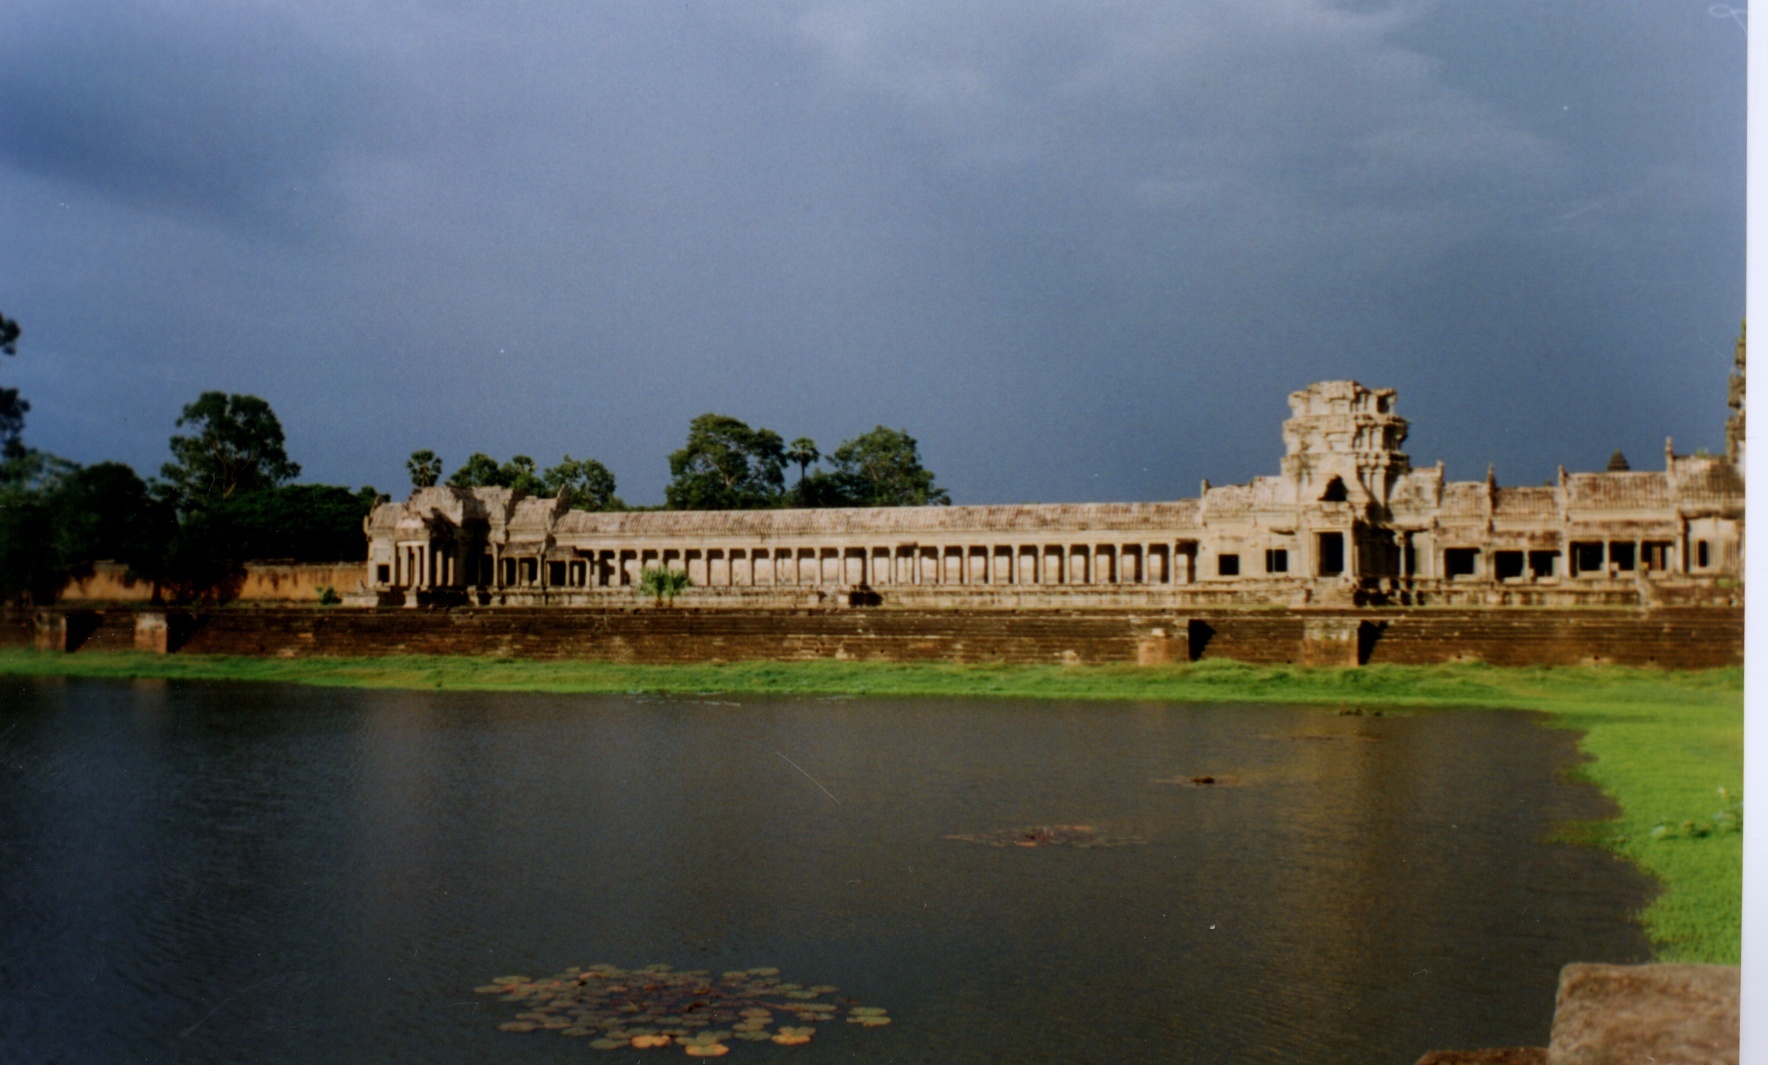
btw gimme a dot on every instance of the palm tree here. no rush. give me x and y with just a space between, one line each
802 453
661 583
425 468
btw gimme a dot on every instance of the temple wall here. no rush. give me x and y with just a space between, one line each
1667 637
264 582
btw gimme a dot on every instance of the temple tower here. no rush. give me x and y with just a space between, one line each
1343 444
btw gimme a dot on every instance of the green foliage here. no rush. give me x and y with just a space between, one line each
298 522
203 555
328 596
425 468
30 572
479 471
883 468
57 519
12 408
238 447
585 483
726 465
820 489
663 584
803 454
1728 818
482 471
106 511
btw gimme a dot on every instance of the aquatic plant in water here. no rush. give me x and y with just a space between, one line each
1051 836
659 1006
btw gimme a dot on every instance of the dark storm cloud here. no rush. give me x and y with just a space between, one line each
1080 251
223 110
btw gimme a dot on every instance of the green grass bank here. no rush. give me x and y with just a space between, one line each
1667 746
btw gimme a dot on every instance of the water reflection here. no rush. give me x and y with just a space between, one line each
231 872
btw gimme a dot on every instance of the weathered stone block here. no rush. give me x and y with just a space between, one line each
1330 642
1161 646
1668 1014
153 633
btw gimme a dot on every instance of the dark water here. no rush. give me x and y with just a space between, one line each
232 873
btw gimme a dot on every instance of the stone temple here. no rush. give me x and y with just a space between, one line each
1346 521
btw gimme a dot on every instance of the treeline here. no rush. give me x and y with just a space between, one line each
224 499
227 494
725 465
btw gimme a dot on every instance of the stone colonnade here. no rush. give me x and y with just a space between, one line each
422 564
1011 564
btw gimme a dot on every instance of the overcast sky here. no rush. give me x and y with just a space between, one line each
1079 250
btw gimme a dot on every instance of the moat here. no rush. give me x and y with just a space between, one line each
207 872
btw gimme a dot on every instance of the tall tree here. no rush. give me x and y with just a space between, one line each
238 447
12 408
521 474
425 467
482 471
586 483
883 468
803 454
30 570
479 471
106 512
726 465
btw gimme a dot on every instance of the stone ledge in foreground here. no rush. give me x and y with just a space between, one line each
1630 1015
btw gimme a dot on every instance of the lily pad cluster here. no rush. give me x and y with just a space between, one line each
659 1006
1051 836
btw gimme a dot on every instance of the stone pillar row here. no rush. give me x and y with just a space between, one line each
1004 564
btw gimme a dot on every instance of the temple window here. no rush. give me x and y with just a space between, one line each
1228 565
1587 557
1701 556
383 574
1543 563
1507 565
1620 552
1276 560
1460 562
1331 554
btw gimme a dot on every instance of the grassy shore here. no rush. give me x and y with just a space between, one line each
1668 747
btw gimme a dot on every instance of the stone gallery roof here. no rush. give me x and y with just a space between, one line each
1028 519
1706 480
1634 490
1538 502
1464 499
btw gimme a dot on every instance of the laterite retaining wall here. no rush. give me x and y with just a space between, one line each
1670 637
